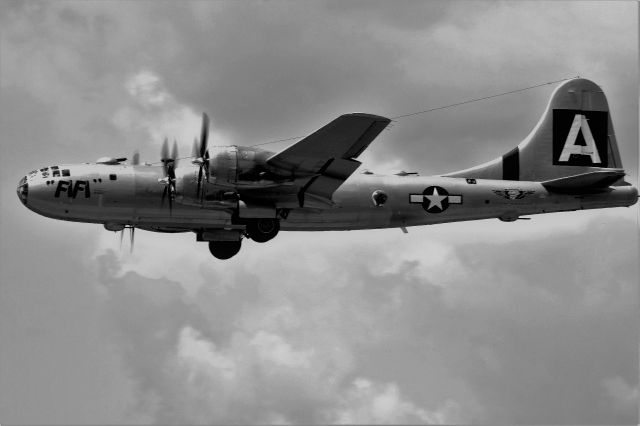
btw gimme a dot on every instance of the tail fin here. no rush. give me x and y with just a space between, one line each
574 136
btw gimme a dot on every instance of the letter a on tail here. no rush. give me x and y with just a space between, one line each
580 138
580 123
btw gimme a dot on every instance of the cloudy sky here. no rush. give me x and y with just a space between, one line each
482 322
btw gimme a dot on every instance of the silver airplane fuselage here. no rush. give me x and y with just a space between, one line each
130 195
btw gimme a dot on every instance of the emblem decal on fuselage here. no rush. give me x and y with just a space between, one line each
435 199
72 189
580 138
512 194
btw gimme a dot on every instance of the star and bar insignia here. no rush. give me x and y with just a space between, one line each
435 199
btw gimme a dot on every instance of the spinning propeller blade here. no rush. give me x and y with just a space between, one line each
194 150
204 134
168 166
164 154
132 231
203 155
174 153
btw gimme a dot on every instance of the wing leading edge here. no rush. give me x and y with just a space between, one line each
326 158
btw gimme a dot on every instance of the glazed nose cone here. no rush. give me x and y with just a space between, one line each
23 190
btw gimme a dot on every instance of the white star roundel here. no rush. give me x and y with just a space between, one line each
435 199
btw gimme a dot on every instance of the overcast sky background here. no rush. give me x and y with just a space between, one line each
481 322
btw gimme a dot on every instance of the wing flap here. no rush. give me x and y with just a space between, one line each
328 180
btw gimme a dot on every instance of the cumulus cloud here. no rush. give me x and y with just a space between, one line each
369 403
154 110
625 397
364 343
276 356
485 322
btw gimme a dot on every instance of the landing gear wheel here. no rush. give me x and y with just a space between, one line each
224 249
262 230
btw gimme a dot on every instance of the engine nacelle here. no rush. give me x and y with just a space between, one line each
230 169
232 165
115 227
255 212
223 165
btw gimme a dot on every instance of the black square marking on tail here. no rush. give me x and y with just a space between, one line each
580 138
511 165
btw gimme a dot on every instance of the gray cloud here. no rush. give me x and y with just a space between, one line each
259 359
269 70
412 344
439 326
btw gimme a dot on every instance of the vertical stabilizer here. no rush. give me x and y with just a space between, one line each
574 136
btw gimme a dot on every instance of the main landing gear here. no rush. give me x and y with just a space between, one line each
262 230
224 244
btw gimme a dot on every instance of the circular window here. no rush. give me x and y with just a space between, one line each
379 197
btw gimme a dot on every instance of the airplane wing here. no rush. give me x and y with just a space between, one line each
327 156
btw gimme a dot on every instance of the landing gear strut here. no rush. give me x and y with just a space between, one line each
224 249
262 230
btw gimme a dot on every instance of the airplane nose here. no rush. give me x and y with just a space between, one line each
23 190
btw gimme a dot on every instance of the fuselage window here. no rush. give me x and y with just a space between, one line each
113 177
65 172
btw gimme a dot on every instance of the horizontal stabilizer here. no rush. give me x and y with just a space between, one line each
585 181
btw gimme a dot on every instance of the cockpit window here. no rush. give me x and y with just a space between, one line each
65 172
113 177
56 173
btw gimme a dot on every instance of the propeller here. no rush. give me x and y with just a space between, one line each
136 158
174 153
195 150
132 230
131 236
201 153
170 162
168 165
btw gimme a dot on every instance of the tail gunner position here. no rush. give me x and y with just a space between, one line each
570 161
